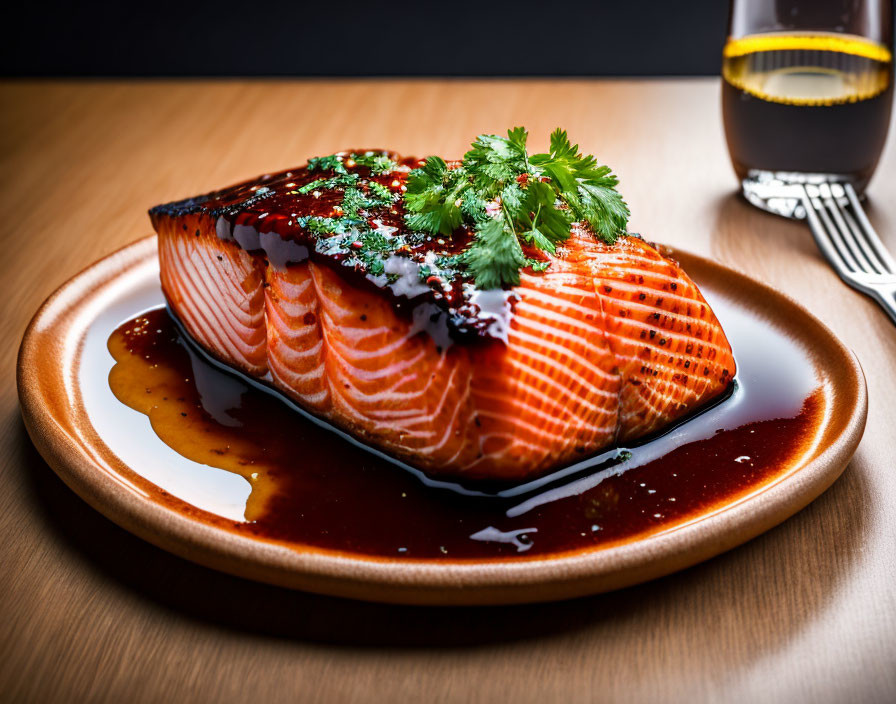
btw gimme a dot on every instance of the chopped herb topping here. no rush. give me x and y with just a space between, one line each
357 200
338 181
348 234
444 268
378 163
358 195
381 192
324 226
327 163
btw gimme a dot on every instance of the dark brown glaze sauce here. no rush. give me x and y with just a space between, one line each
311 487
275 204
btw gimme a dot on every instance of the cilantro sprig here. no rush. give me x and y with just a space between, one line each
509 198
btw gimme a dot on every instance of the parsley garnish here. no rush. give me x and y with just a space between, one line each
434 197
495 257
510 198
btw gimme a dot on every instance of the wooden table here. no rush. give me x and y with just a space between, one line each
806 612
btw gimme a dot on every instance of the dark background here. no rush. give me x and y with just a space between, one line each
373 37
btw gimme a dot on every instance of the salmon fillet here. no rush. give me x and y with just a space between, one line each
608 345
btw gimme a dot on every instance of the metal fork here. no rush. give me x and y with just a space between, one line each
839 225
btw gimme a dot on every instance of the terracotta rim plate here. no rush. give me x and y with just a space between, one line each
53 405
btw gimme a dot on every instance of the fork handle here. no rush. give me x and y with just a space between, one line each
884 293
887 301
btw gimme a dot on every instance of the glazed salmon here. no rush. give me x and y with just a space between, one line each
607 345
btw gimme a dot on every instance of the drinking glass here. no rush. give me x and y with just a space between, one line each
808 87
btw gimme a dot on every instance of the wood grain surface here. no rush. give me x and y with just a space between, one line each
88 612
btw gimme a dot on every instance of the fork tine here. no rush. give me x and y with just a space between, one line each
859 237
836 237
821 234
866 261
831 231
868 230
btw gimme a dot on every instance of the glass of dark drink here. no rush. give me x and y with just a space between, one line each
808 87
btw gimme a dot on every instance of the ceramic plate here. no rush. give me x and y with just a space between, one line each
109 455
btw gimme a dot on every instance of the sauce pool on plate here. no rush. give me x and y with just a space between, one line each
310 487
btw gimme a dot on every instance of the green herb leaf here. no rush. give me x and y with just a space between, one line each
327 163
308 187
378 163
338 181
507 196
586 187
433 197
495 256
381 192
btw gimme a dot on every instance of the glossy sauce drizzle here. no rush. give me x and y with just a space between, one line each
311 487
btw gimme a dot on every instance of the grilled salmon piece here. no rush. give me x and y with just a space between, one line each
608 345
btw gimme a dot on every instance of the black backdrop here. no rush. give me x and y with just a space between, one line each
373 37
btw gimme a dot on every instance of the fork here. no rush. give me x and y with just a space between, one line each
839 226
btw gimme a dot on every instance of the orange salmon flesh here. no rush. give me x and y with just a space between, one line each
609 345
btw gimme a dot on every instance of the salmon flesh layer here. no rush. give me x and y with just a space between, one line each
608 345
